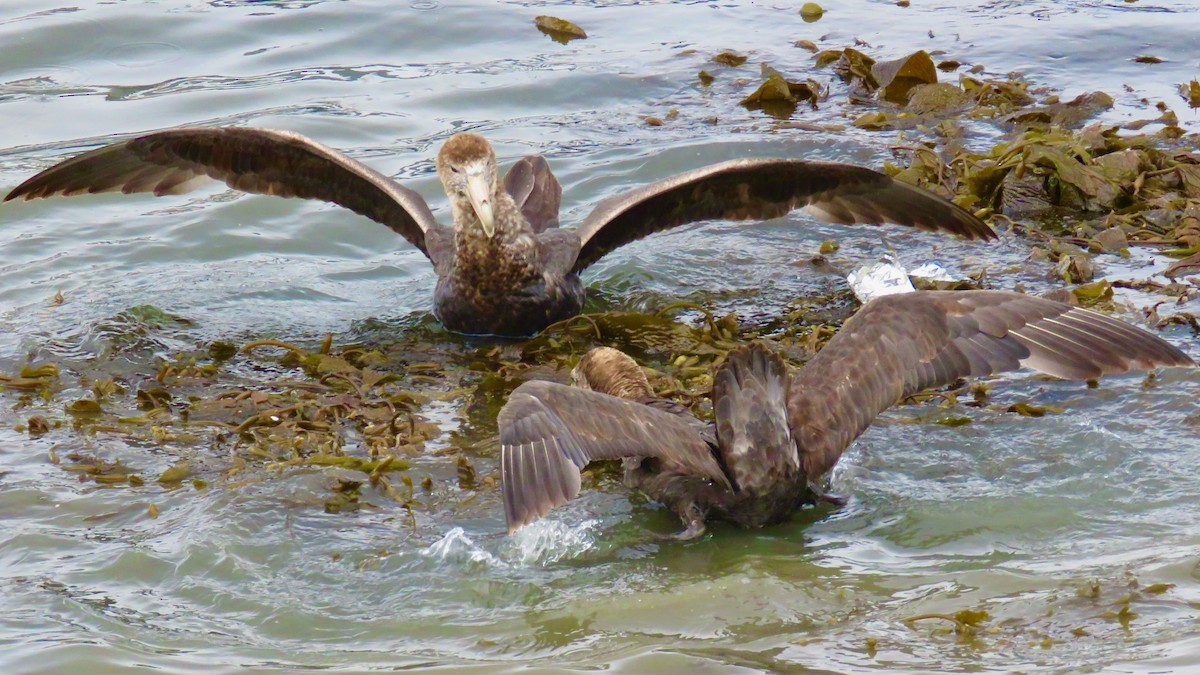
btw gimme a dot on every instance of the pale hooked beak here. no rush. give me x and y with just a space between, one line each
478 191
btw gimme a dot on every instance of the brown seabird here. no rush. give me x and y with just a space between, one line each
777 433
504 267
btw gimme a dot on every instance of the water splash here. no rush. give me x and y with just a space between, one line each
540 544
456 547
546 542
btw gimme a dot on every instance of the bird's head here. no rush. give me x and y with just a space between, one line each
611 371
466 164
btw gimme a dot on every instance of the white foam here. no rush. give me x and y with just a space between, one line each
544 542
548 541
457 547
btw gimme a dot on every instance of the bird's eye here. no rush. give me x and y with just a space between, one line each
453 169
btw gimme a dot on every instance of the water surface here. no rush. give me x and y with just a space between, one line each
1046 523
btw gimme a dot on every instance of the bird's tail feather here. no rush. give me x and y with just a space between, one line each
750 402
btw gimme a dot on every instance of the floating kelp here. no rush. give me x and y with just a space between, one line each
37 425
559 30
1075 267
811 11
101 471
1054 113
938 98
728 58
779 97
1046 171
346 495
1096 295
1031 410
1191 93
1133 180
995 96
84 406
966 622
1049 170
42 379
897 78
893 80
852 66
353 409
1183 267
1096 609
176 473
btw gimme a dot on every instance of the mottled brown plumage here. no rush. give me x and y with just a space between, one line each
777 433
504 267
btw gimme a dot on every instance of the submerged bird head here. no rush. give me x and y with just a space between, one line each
611 371
467 166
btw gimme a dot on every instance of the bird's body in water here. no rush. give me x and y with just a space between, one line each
777 433
504 266
500 277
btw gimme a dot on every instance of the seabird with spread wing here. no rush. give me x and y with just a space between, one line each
777 433
504 267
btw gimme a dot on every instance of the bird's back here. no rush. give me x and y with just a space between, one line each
750 400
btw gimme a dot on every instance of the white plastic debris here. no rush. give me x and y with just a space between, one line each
887 277
932 272
877 279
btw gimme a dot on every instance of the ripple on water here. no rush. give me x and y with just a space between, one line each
144 54
1013 515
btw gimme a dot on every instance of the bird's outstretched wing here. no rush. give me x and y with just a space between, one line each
761 189
264 161
749 397
549 432
536 190
898 345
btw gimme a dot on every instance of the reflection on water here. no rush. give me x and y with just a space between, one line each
1076 532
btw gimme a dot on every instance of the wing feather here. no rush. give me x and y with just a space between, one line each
549 432
761 189
264 161
536 190
898 345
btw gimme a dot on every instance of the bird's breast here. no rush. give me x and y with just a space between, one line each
507 304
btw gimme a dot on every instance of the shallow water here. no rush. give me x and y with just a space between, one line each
1018 516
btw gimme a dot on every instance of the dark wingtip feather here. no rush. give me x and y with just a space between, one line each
27 190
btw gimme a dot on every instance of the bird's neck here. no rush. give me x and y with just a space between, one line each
512 248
